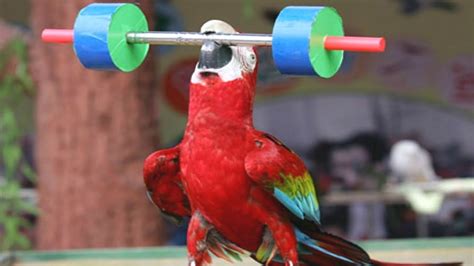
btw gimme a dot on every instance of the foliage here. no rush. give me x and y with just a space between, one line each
16 108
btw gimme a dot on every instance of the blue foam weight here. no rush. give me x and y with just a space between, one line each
298 41
291 35
90 35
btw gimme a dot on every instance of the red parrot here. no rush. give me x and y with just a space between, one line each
245 191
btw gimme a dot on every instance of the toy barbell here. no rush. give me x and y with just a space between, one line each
305 40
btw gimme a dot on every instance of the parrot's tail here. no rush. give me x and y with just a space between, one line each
381 263
317 247
321 248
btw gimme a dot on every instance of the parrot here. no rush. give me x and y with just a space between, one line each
244 191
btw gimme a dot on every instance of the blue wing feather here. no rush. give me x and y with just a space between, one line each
292 205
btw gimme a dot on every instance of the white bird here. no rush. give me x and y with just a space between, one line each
411 163
422 188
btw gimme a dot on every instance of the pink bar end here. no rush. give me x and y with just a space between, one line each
355 44
57 36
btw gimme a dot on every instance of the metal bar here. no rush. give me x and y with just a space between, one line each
195 38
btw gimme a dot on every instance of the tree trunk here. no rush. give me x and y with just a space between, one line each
94 129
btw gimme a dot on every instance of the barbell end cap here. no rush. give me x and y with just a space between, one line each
355 44
100 40
57 36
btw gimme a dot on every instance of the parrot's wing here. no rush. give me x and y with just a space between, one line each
281 172
161 173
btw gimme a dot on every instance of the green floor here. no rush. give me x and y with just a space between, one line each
419 250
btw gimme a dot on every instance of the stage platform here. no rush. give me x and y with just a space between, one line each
414 250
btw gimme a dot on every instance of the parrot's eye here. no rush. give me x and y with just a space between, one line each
252 58
249 58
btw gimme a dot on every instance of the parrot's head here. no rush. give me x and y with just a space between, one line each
224 79
223 62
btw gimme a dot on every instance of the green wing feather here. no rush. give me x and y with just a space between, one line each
298 194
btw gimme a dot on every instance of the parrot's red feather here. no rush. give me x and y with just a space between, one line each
161 173
269 159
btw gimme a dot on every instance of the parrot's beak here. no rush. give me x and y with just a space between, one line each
214 56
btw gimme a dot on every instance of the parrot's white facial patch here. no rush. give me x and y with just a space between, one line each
244 59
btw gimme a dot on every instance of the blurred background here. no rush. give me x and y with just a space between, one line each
72 141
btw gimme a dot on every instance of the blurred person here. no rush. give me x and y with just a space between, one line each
353 164
334 217
358 163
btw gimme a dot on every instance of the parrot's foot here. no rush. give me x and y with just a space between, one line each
203 239
194 263
288 263
199 262
281 230
197 233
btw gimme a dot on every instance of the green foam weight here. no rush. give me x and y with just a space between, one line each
325 62
125 56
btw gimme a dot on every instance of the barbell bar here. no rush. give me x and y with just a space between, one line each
346 43
305 40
